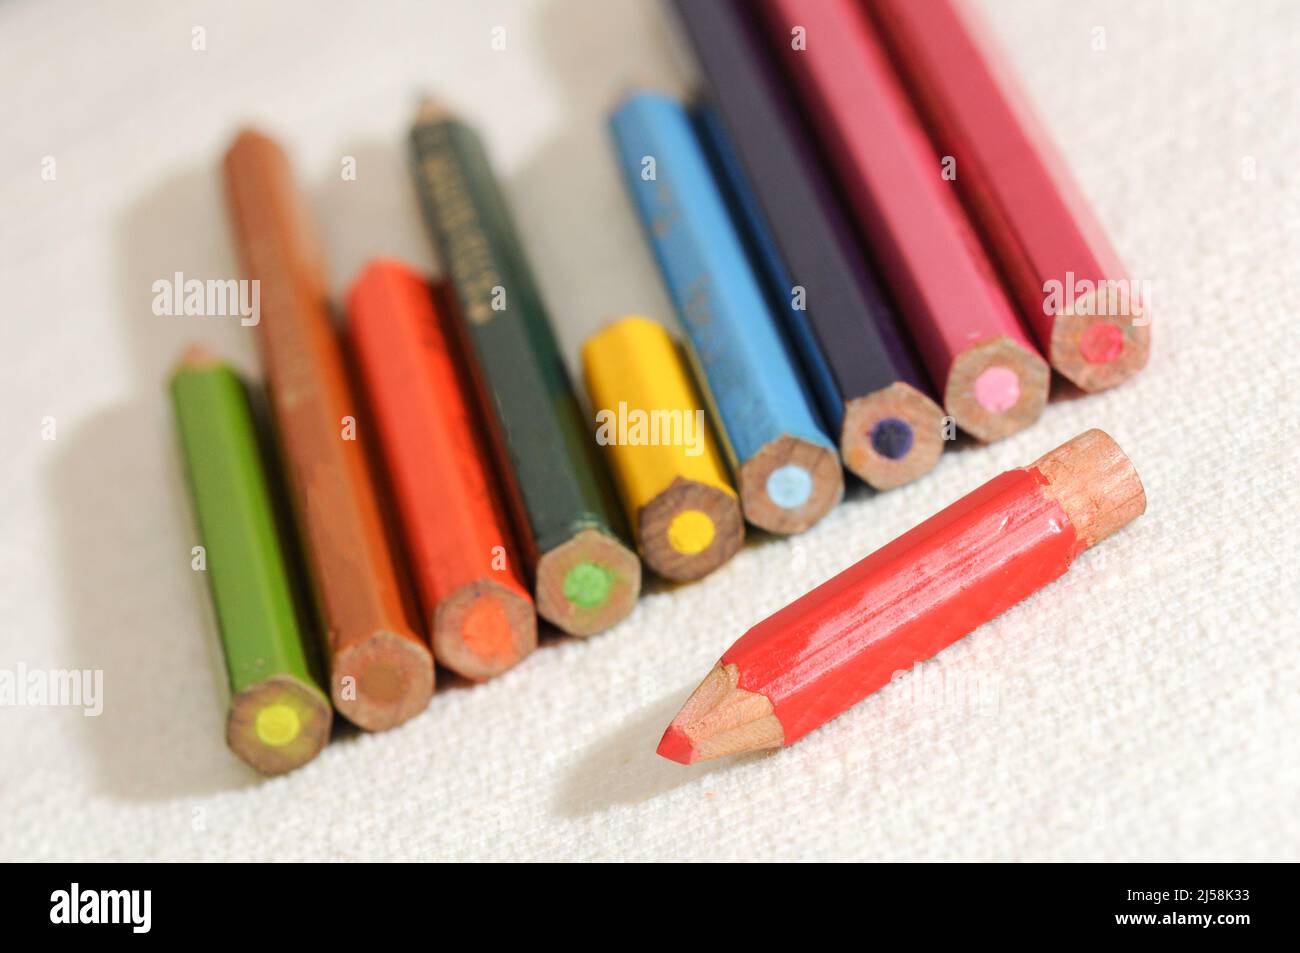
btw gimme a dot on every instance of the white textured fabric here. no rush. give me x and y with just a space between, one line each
1143 707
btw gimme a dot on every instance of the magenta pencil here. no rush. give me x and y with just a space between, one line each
1090 320
992 380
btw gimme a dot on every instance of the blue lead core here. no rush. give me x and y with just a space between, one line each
789 486
891 438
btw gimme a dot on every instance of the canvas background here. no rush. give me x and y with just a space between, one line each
1144 707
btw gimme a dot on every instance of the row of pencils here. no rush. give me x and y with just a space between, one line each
844 301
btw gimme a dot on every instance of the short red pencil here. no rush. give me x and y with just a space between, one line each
907 601
992 380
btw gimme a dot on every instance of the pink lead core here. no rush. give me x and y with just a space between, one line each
997 389
1101 343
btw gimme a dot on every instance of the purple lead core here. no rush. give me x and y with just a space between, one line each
891 438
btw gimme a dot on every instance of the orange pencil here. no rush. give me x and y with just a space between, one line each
463 556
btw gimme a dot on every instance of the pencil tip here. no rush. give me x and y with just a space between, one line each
196 355
431 110
249 137
676 746
720 719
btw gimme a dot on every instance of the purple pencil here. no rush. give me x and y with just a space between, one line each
859 365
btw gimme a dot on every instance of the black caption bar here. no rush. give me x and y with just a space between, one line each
137 903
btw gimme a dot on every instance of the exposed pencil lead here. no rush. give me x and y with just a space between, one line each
381 671
949 294
570 524
788 473
721 718
1090 321
902 604
278 716
856 361
684 512
468 574
675 746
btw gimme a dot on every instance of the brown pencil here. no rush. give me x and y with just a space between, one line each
381 673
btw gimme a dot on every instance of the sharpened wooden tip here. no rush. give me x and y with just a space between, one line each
587 584
996 388
482 629
779 468
1095 483
279 724
196 356
1099 351
431 110
273 234
698 504
721 719
253 145
900 407
382 681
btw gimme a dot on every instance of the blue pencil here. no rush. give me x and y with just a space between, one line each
870 387
787 470
765 258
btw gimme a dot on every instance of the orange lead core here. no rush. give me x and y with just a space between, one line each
486 629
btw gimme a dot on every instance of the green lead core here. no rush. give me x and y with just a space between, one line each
587 585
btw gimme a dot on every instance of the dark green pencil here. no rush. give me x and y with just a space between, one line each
585 575
279 716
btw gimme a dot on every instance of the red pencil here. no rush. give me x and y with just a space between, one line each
480 617
836 645
1090 320
992 379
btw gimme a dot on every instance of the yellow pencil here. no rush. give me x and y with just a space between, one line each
666 462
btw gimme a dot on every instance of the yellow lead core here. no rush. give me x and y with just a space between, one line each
690 532
277 725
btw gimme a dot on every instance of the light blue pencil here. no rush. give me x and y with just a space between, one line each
787 470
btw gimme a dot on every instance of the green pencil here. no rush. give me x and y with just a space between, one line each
279 716
585 575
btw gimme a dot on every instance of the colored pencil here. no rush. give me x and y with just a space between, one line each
481 619
906 602
381 672
666 463
992 380
871 390
787 471
279 717
585 577
1031 213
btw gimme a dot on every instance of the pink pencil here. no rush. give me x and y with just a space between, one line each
1089 319
992 379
